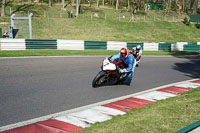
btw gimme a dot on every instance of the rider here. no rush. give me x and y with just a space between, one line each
139 50
137 53
130 61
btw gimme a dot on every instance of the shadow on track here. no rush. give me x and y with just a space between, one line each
191 66
111 84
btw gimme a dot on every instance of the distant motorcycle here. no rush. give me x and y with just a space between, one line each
138 58
110 72
136 55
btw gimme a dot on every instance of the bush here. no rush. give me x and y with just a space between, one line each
186 21
197 25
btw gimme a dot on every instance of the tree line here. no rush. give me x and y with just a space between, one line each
187 6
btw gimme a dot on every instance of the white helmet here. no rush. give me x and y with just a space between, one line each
138 47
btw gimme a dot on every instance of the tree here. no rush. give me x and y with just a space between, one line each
97 3
50 3
3 8
194 5
117 4
63 4
128 5
89 1
77 8
103 2
168 5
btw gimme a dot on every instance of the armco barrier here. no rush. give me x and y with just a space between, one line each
23 44
193 128
164 46
178 46
12 44
150 46
95 45
40 44
131 45
0 44
70 45
192 47
115 45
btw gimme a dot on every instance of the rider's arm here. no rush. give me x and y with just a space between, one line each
131 64
115 57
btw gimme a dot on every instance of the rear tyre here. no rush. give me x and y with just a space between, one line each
99 79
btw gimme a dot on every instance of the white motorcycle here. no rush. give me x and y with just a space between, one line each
110 72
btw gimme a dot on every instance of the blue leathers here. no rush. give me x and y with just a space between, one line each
129 61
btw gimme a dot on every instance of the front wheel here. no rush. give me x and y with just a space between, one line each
137 64
99 79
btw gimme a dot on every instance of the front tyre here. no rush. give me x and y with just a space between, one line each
99 79
137 64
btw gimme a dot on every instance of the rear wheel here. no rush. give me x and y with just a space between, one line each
99 79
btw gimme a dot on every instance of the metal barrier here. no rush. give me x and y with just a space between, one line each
40 44
23 44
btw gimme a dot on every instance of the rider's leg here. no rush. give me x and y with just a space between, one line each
127 80
129 76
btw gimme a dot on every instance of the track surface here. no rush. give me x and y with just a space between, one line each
34 87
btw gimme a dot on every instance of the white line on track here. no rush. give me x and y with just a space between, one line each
20 124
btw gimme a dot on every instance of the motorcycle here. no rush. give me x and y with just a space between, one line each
138 60
110 72
136 55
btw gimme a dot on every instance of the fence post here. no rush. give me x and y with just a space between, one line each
12 21
30 26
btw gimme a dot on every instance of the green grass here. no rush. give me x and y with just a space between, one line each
22 53
52 23
166 116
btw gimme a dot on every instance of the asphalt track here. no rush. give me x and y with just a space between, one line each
34 87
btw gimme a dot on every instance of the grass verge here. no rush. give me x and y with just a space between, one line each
165 116
22 53
110 25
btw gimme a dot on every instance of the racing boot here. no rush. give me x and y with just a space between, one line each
127 81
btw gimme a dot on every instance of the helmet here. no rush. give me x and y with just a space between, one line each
138 47
133 51
124 53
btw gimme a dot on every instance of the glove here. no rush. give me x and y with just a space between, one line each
123 70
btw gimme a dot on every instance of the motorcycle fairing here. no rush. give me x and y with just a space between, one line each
108 66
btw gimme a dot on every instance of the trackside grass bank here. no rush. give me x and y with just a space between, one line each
53 23
85 53
165 116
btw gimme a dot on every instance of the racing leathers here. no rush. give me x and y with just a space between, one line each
128 72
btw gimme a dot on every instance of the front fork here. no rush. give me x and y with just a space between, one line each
104 78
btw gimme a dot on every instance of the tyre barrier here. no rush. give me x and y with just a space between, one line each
23 44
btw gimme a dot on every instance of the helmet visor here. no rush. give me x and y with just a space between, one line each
123 55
